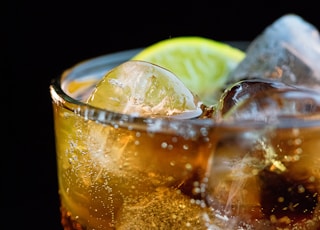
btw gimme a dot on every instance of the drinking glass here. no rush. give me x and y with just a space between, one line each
119 171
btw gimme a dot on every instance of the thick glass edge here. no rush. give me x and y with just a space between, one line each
191 129
130 121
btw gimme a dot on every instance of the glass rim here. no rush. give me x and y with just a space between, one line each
88 112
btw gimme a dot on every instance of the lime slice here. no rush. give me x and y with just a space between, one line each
144 89
202 64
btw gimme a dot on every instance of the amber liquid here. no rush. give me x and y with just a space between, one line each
68 222
114 177
107 173
269 178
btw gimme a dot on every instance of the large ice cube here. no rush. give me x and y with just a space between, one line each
144 89
267 100
287 50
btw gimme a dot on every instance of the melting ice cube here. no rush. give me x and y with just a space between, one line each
142 88
266 100
287 50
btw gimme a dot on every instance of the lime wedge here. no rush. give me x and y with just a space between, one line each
202 64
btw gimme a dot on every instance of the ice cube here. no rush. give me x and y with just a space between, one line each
287 50
144 89
268 179
267 100
245 89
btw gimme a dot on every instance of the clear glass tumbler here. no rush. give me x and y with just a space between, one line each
118 171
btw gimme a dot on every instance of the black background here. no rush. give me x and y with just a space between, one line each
44 38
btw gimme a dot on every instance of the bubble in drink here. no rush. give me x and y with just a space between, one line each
165 209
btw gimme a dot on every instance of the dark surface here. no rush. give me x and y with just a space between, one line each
46 38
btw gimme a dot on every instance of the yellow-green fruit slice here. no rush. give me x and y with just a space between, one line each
201 63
